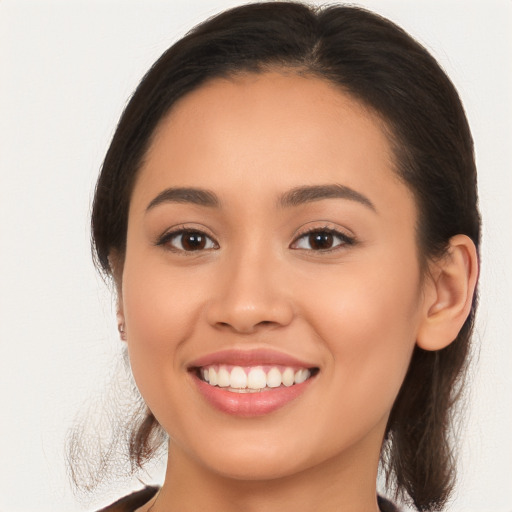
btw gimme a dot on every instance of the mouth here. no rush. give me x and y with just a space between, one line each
253 379
251 383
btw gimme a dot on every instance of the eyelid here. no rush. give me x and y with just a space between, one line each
347 239
175 231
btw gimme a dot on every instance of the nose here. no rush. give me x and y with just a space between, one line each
251 294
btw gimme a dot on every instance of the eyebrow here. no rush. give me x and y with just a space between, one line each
294 197
191 195
308 194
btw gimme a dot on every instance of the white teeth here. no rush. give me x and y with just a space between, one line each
238 378
241 380
257 379
288 377
274 378
213 376
223 378
302 375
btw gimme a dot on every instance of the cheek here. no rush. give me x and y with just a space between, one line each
157 306
160 314
369 323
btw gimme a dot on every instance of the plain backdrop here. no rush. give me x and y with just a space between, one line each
66 71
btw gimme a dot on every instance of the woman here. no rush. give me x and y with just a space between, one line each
288 210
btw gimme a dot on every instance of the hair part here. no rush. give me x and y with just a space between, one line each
382 67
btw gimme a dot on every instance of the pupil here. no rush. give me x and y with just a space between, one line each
193 241
320 240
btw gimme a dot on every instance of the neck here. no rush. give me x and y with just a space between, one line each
346 483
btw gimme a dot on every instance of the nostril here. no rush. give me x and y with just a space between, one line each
247 315
245 328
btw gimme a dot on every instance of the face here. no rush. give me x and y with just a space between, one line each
271 288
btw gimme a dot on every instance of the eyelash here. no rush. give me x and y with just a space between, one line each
345 240
165 239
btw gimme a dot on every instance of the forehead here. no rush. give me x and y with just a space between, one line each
252 108
260 131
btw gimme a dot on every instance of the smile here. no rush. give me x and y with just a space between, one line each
251 383
238 379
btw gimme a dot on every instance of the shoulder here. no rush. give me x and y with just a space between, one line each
132 502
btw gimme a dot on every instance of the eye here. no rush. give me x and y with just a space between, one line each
187 240
322 240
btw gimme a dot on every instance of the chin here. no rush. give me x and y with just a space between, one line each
245 469
252 461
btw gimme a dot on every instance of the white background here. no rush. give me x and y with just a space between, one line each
66 71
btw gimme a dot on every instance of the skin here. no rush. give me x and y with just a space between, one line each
355 311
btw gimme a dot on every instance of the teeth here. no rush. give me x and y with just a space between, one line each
301 376
256 379
238 378
213 376
274 378
253 379
288 377
223 378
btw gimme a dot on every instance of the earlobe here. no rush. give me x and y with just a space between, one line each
121 325
449 294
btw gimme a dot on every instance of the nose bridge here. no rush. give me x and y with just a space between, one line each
250 292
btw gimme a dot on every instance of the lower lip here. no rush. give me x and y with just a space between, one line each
250 404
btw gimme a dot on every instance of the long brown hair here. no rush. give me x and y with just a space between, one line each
380 65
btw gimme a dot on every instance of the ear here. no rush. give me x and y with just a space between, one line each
449 291
116 262
121 325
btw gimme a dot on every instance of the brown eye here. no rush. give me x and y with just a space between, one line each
193 241
322 240
188 241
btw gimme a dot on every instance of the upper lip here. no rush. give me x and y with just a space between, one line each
256 357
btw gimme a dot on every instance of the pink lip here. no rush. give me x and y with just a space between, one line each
249 404
258 357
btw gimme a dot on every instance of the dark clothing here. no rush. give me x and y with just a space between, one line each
137 499
132 502
386 505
